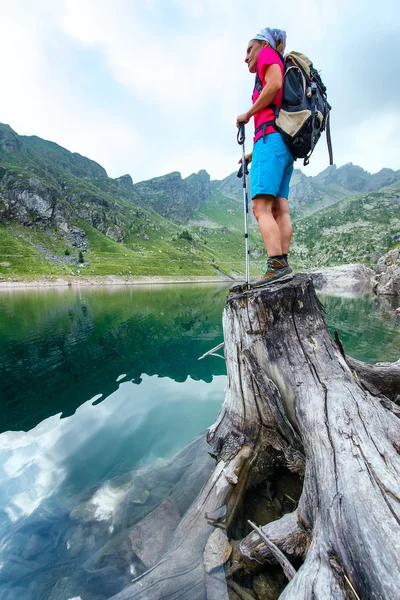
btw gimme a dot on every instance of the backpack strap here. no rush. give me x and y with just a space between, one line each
263 128
258 83
329 139
271 123
313 115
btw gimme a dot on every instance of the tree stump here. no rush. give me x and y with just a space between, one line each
292 400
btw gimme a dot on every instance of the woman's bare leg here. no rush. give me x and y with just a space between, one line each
268 225
280 212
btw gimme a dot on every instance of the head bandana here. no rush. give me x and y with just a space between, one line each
272 36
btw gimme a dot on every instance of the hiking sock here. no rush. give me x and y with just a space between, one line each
285 257
279 257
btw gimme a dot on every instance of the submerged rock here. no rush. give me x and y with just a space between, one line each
151 536
66 589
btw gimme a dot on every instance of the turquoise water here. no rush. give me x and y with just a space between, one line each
97 384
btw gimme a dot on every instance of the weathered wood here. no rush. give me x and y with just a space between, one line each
293 400
382 378
286 533
241 593
378 379
287 567
181 572
350 502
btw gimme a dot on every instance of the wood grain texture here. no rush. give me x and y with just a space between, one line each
292 399
350 505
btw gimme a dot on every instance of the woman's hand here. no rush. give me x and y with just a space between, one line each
244 118
247 157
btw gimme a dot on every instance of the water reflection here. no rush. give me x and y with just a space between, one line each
99 387
57 350
61 456
88 545
369 327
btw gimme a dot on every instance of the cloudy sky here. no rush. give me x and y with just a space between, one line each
147 87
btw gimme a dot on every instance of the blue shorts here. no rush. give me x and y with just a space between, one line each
271 167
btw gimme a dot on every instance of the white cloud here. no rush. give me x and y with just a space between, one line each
26 465
175 75
106 501
358 147
34 464
38 100
213 161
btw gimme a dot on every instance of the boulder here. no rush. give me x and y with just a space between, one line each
387 278
352 280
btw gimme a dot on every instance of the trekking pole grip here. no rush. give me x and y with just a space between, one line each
241 135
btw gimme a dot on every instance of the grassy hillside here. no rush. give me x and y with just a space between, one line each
29 253
155 248
57 207
61 215
356 229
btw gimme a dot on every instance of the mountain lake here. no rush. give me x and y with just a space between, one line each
100 387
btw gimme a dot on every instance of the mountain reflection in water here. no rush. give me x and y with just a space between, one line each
58 348
99 388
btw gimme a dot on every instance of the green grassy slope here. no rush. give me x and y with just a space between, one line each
29 253
123 237
221 218
356 229
161 249
126 237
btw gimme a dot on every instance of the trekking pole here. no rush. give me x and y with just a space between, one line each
243 171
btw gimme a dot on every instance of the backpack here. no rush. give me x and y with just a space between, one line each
305 109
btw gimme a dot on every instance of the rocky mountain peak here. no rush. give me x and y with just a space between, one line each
9 140
174 197
327 174
124 181
353 178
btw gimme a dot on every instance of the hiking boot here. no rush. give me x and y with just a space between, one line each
277 270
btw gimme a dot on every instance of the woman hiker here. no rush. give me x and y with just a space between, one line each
272 162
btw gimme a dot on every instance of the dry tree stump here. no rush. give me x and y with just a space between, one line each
292 400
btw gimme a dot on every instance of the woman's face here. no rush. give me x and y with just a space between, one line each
253 50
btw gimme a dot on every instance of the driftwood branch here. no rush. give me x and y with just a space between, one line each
239 591
287 567
286 534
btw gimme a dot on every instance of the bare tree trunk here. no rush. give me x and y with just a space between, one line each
292 400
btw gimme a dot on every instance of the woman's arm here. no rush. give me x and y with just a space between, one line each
273 83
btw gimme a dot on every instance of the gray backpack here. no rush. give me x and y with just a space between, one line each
305 109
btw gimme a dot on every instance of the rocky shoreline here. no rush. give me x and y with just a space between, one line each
84 281
352 280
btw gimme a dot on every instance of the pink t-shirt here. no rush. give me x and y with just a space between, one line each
267 57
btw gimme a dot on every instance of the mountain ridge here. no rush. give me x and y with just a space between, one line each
68 202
